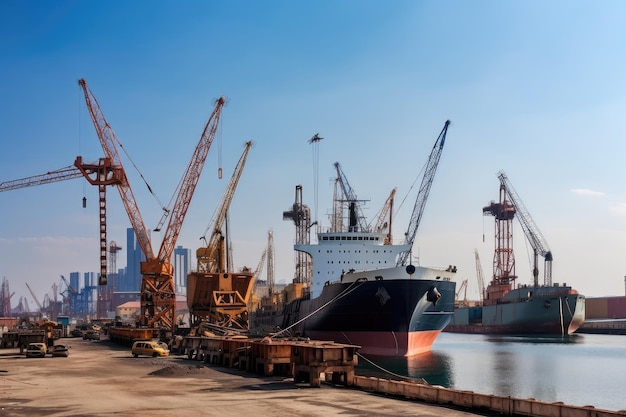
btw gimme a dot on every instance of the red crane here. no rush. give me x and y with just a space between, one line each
101 174
158 296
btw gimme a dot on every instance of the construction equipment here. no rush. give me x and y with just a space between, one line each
357 218
422 194
503 258
270 264
102 174
300 214
34 297
158 296
383 225
479 276
211 258
462 288
534 236
218 297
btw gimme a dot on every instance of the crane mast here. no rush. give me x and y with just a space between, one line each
424 190
356 219
534 236
384 223
158 297
211 257
270 263
479 276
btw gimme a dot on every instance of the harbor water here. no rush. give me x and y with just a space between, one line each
582 369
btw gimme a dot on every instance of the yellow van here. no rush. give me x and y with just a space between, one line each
149 348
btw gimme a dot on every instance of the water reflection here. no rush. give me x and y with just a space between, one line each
433 367
535 339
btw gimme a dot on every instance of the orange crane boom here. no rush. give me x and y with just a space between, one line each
158 295
211 257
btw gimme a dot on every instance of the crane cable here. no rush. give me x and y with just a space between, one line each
419 174
141 175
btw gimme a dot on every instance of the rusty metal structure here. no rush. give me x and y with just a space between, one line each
218 297
158 296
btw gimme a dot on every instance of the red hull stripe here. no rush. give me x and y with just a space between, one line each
384 343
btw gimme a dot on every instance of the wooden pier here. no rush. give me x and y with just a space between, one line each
304 360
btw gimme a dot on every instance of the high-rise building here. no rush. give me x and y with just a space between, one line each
134 256
182 267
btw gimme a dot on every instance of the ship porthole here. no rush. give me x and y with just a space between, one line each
547 304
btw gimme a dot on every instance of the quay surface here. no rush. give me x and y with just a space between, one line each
100 378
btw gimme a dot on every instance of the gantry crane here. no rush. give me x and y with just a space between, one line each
158 295
211 258
532 232
422 194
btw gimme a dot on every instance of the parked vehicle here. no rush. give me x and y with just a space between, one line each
149 348
36 350
60 350
91 335
77 333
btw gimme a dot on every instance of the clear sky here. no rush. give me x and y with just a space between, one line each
534 88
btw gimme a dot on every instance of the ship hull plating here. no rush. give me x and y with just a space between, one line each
557 313
388 318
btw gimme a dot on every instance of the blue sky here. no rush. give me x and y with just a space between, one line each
532 88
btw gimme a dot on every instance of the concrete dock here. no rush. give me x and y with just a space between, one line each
100 378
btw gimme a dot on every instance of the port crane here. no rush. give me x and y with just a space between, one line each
211 258
357 218
422 194
385 217
479 276
270 264
158 295
34 297
532 232
102 174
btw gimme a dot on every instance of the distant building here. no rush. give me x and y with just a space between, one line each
130 311
131 281
182 267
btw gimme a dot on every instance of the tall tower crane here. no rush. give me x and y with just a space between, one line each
158 295
503 258
212 257
424 190
356 218
532 232
300 213
101 174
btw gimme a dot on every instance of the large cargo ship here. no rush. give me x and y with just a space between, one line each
528 310
355 286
